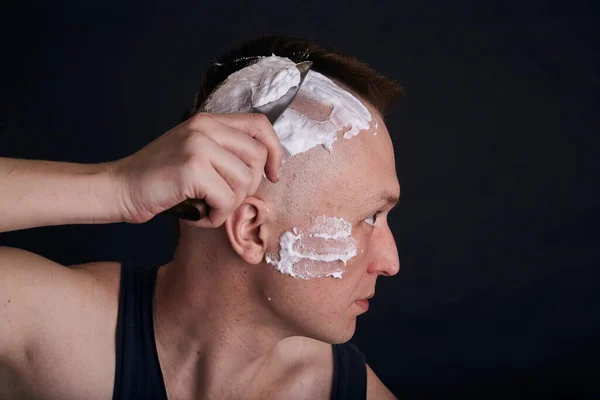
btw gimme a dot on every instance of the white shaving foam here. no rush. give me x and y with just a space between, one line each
299 133
261 83
268 80
317 251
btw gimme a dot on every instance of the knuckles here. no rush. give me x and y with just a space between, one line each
197 122
247 179
260 153
193 142
260 119
228 202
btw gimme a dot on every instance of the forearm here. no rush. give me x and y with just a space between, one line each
36 193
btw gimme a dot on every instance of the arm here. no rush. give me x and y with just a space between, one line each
376 390
44 193
219 158
25 281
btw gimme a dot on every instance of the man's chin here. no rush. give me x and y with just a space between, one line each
338 336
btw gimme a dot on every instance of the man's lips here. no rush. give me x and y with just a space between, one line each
364 302
370 296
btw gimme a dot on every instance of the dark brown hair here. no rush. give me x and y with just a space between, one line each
381 91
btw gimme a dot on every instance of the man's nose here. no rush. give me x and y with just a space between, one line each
386 260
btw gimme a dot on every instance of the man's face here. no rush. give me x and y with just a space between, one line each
354 182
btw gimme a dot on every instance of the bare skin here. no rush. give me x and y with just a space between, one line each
227 325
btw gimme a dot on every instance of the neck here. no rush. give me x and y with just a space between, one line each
209 321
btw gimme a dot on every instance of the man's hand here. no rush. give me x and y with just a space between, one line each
216 157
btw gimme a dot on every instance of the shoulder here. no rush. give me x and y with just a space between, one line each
299 368
44 295
306 370
376 390
57 311
105 276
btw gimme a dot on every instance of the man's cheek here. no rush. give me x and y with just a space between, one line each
321 250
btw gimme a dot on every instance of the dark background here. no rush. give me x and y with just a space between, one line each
496 146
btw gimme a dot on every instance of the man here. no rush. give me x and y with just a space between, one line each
218 321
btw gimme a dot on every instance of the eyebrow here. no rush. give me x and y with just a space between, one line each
385 198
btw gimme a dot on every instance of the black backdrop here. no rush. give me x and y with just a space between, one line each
495 146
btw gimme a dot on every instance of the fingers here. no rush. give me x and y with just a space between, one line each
252 152
226 184
258 127
218 196
236 149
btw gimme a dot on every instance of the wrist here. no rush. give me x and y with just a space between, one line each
113 192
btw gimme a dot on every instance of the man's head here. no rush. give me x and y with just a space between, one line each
352 186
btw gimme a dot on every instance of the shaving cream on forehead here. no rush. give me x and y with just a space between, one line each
319 251
269 79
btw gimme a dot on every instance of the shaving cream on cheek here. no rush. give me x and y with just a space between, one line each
319 251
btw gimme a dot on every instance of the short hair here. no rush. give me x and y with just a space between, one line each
379 90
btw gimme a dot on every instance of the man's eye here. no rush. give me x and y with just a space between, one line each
372 219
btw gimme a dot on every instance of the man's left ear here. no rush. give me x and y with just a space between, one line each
247 231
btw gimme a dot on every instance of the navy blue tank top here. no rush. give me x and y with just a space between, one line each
137 370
